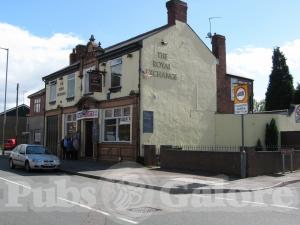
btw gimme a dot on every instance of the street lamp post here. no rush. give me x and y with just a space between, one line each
4 112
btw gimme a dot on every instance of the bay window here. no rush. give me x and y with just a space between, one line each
117 124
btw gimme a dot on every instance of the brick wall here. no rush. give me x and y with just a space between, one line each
261 163
126 151
214 162
258 163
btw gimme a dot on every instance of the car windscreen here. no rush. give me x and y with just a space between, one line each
36 150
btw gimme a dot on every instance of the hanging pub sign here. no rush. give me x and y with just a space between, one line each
95 81
241 98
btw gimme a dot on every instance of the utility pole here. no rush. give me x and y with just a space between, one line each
5 92
17 112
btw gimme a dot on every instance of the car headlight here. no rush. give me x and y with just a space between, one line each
57 161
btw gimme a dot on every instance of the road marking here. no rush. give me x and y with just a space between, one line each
256 203
127 220
250 202
96 210
22 185
84 206
74 203
284 206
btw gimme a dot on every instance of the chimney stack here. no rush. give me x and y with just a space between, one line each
219 50
177 10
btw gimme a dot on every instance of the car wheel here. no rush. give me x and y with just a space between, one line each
11 164
27 166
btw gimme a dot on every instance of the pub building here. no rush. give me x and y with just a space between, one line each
158 88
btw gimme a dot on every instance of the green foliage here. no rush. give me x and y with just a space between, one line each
280 90
258 146
259 106
271 136
297 95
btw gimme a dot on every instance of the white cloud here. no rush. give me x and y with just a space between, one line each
256 63
30 58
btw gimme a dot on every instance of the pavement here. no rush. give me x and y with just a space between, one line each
174 182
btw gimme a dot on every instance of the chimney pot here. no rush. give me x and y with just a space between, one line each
177 10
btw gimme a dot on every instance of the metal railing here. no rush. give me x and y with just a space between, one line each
203 148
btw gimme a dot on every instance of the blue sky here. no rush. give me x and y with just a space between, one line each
252 29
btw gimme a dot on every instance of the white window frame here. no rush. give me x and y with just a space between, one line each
116 62
86 80
52 92
117 123
66 121
37 105
71 78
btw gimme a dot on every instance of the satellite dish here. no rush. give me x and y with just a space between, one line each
208 35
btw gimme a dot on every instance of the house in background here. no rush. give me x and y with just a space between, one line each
225 81
10 128
35 119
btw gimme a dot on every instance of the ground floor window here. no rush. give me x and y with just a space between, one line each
117 124
70 125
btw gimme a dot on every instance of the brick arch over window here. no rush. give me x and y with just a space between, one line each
87 102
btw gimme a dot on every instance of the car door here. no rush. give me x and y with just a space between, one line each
22 155
15 155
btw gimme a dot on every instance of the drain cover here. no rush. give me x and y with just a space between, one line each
144 210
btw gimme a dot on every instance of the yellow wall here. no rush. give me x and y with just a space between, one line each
184 109
228 127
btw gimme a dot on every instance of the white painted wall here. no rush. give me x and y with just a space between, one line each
184 109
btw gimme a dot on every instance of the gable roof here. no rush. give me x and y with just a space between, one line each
136 38
23 110
40 92
239 77
124 45
64 70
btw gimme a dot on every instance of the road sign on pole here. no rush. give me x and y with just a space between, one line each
241 99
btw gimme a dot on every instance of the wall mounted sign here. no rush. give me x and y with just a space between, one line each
95 81
241 99
161 68
87 114
148 122
297 113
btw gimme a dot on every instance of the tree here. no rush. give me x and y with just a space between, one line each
280 90
297 95
258 146
259 106
271 136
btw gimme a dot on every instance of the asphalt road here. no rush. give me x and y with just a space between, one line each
54 198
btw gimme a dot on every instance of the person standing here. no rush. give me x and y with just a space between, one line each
75 146
69 148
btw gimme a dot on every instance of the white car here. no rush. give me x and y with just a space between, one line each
33 157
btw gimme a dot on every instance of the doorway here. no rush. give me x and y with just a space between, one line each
89 139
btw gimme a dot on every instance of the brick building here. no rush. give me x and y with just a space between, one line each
158 88
225 81
11 118
35 118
